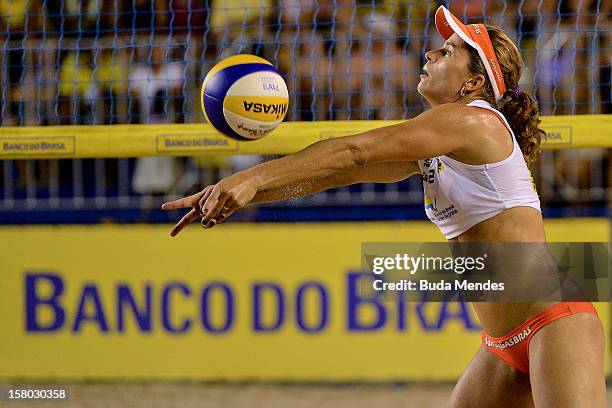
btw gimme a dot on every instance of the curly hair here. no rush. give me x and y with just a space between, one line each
520 109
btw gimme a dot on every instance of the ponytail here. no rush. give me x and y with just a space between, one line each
523 114
520 109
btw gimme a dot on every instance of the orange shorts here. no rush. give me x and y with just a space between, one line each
513 348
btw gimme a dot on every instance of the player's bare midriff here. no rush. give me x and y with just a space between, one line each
518 224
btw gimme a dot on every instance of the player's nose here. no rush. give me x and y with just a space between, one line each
430 56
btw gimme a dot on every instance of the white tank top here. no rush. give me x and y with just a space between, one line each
459 195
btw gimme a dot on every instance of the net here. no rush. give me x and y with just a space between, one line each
142 61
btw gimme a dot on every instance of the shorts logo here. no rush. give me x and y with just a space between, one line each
509 343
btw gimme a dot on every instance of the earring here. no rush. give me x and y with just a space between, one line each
462 93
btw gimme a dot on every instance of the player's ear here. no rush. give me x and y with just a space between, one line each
475 83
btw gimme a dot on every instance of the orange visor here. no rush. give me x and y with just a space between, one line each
477 37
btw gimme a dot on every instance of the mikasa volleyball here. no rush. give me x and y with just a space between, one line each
244 97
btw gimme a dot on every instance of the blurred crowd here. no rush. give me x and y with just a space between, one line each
142 61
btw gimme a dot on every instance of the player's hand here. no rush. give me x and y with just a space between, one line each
192 201
227 196
214 203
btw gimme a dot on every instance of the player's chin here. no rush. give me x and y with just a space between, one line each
422 87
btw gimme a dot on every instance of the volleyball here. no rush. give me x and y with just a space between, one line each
244 97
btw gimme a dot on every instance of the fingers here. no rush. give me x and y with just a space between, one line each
184 202
186 220
203 199
213 205
223 215
200 203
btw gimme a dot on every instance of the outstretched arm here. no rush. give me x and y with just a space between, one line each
375 173
431 134
330 163
390 172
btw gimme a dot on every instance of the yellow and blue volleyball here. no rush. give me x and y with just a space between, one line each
244 97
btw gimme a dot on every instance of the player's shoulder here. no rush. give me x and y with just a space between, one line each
460 112
461 117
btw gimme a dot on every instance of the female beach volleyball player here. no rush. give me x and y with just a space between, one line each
471 147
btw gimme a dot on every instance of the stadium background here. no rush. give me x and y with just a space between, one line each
268 297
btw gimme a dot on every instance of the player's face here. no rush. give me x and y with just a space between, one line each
445 72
